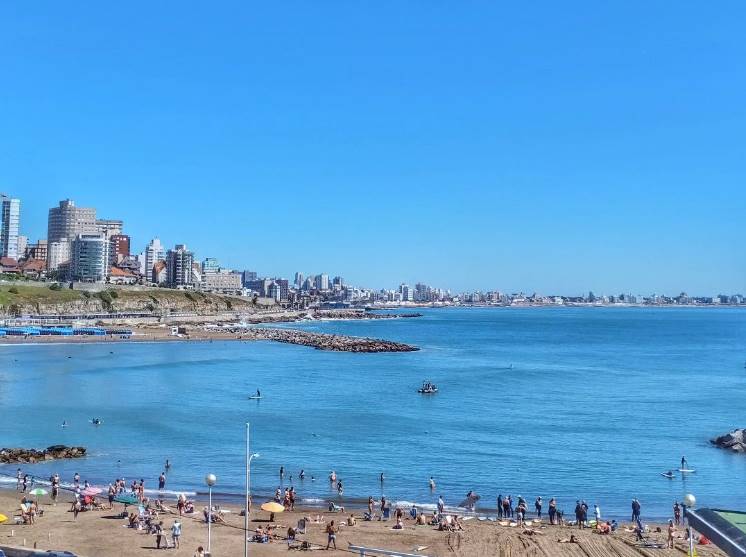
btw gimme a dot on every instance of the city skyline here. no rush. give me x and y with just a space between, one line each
556 151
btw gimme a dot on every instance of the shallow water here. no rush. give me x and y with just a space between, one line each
598 403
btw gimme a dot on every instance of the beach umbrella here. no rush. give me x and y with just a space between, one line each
91 491
127 499
38 492
272 507
3 518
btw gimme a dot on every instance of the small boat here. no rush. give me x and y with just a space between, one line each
428 388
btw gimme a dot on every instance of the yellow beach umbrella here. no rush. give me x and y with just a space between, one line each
3 518
272 507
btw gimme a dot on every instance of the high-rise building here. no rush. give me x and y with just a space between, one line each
407 294
119 248
298 282
322 282
179 263
248 276
68 221
58 254
109 227
210 265
10 222
89 260
154 252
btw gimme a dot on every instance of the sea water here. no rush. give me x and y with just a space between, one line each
573 403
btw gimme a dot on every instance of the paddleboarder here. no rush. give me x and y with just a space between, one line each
684 463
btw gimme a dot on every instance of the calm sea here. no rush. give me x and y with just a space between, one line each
598 402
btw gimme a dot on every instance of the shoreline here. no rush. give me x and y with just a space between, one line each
103 533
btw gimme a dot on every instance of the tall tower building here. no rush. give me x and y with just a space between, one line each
10 222
89 260
67 221
179 262
154 252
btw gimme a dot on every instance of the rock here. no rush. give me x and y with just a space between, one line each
734 441
324 341
17 455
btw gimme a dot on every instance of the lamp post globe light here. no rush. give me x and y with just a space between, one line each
210 480
689 502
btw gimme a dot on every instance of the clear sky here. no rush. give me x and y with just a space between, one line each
549 146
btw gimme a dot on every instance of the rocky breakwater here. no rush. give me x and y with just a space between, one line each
734 441
324 341
30 456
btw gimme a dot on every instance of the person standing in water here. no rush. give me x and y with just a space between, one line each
162 481
381 478
432 483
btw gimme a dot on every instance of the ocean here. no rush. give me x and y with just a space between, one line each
572 403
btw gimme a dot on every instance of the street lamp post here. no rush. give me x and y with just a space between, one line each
210 480
689 502
249 458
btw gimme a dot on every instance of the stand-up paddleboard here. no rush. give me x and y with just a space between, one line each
687 470
669 476
255 397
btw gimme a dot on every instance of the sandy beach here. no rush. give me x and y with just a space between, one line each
104 534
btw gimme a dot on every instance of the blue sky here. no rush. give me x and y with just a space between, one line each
553 146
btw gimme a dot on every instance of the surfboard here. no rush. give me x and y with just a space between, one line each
255 397
669 476
687 470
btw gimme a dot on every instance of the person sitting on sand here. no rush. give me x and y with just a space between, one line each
456 524
603 527
351 521
571 539
399 524
200 552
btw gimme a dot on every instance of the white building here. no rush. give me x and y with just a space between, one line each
154 252
89 261
10 222
58 253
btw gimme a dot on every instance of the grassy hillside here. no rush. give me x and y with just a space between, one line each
23 299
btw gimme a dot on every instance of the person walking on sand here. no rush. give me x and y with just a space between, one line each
176 533
158 534
537 506
552 510
671 532
19 479
441 504
677 513
331 535
499 506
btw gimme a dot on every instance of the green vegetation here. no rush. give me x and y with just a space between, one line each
21 294
17 298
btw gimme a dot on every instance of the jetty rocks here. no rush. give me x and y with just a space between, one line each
30 456
325 341
734 441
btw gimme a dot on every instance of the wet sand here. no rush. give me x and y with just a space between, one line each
102 534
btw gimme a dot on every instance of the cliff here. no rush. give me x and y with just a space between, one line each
38 299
